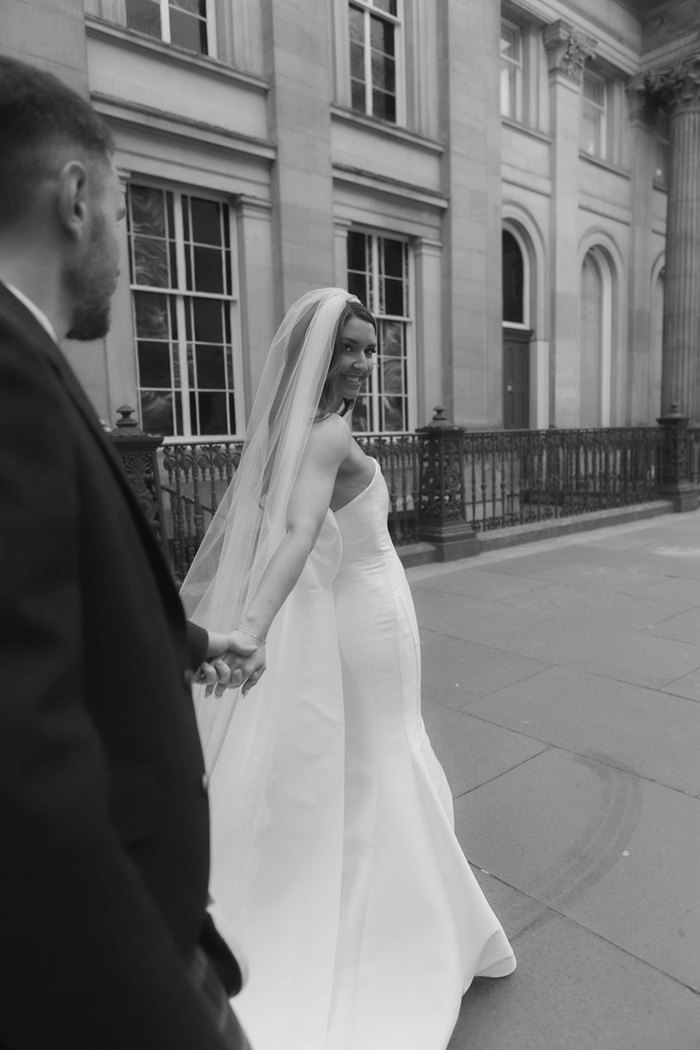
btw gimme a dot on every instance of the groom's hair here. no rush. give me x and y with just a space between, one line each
41 122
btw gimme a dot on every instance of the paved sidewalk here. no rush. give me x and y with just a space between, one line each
561 686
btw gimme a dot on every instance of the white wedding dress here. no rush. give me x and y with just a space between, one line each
350 897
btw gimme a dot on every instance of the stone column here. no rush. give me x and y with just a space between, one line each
677 90
640 409
567 50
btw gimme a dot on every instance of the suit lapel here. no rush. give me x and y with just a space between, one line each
35 335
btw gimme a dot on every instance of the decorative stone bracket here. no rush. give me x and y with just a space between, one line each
567 49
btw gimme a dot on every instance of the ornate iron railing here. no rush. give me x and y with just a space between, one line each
195 475
511 477
514 477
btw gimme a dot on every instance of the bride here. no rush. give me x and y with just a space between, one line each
334 856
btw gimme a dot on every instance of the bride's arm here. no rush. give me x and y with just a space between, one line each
329 444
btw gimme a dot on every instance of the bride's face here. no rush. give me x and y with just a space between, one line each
353 358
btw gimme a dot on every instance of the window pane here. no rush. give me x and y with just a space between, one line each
144 16
360 415
151 314
148 211
382 36
212 413
513 280
150 262
510 43
394 413
154 364
208 272
357 25
383 72
357 62
357 89
211 367
207 320
393 297
392 375
591 131
384 106
206 221
393 255
391 339
386 5
594 88
195 7
357 285
357 246
157 412
189 32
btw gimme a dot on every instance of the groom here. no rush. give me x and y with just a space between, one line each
105 940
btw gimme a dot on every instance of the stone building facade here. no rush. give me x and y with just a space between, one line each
493 181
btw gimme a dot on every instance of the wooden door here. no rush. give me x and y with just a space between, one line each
516 378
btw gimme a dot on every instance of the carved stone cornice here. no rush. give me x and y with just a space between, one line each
567 49
675 88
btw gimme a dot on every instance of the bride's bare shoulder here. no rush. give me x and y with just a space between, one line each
332 434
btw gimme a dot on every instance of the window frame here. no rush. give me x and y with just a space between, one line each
178 346
373 275
604 114
517 83
166 35
369 10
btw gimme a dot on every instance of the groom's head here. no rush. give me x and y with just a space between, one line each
60 198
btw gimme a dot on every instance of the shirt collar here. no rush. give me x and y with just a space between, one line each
33 309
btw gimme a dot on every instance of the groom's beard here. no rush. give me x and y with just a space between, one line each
91 286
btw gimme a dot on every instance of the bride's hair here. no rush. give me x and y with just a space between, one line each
330 400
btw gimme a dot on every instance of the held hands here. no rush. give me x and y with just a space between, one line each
232 660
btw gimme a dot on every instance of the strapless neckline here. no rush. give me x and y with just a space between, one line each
366 489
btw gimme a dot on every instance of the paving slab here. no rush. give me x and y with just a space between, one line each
575 991
639 730
456 672
515 910
473 751
631 610
615 853
476 583
602 648
670 590
683 626
473 619
598 577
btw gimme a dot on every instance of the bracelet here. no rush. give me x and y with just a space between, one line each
252 634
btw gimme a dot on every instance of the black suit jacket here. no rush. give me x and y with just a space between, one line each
104 823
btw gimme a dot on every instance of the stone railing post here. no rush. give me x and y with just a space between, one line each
138 454
674 468
442 505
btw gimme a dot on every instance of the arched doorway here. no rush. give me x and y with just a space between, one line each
516 334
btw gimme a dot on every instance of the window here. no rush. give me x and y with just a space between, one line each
514 281
663 134
187 23
182 296
375 28
511 71
594 132
378 276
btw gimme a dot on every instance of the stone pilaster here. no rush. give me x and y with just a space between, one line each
567 50
256 285
642 406
677 90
